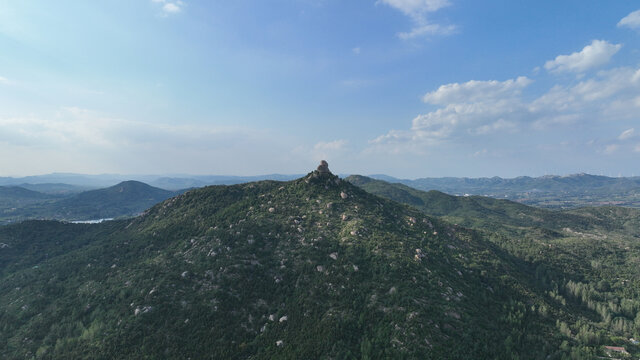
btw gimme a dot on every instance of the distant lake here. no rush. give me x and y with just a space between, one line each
91 221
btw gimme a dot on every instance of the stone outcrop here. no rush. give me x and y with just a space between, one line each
323 168
322 176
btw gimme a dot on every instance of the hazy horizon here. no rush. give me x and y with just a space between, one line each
134 176
412 89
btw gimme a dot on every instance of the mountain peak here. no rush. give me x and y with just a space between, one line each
323 167
322 175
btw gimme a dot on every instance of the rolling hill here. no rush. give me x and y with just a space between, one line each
127 198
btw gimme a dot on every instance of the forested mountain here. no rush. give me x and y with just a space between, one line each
310 268
317 268
125 199
128 198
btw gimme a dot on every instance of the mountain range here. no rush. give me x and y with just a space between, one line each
318 267
545 191
81 182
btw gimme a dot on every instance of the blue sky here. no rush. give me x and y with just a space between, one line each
409 88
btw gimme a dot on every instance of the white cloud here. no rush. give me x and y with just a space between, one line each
476 91
427 29
480 153
499 125
418 10
612 93
553 120
398 142
331 145
627 134
598 53
477 106
169 6
610 149
474 108
631 21
4 81
356 50
324 150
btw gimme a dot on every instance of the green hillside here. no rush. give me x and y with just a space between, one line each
312 268
486 213
126 199
587 257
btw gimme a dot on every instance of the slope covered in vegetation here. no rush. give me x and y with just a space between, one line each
587 259
312 268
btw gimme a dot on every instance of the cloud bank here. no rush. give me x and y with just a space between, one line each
476 109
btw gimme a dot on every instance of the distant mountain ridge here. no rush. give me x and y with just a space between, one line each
481 212
547 191
550 191
18 192
55 188
175 182
125 199
572 183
